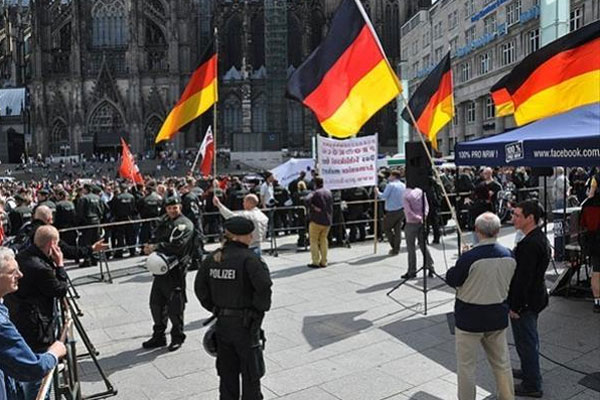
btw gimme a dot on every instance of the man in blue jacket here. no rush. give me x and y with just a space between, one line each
482 279
17 360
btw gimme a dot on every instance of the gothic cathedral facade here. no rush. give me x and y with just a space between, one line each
104 69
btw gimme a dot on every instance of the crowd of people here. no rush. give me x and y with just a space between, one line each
170 219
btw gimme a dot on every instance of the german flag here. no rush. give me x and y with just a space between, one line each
199 95
502 100
347 78
560 76
432 104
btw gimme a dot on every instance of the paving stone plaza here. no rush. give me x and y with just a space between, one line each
332 333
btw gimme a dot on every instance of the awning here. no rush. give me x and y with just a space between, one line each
569 139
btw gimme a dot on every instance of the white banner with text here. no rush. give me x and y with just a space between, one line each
348 163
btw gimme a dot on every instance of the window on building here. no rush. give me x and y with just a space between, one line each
465 71
469 35
490 109
576 18
469 8
470 112
437 55
259 114
426 61
489 24
508 51
513 12
295 122
453 44
232 115
485 63
109 24
437 30
415 69
415 47
453 19
404 53
533 40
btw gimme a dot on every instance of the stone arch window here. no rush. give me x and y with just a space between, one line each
59 137
156 9
259 114
232 51
232 115
156 47
391 30
295 122
294 41
106 125
258 42
151 129
317 23
109 24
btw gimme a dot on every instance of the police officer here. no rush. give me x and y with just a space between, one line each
65 217
90 211
235 285
123 209
149 207
43 196
173 239
19 215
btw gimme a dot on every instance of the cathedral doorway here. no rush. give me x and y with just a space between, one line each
106 127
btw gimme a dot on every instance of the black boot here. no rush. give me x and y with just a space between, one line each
155 342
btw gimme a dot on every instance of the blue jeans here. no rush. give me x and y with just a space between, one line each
527 343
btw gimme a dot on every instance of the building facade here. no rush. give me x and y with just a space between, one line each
98 70
486 40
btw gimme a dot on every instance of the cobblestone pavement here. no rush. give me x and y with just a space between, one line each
332 333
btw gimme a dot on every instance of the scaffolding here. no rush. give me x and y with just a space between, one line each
275 14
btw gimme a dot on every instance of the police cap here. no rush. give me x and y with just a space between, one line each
172 200
239 226
43 192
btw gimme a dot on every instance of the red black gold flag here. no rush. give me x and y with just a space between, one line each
560 76
199 95
347 78
432 104
502 100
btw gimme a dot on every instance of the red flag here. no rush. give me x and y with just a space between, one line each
128 169
207 151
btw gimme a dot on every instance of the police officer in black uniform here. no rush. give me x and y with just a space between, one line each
19 215
149 207
235 285
65 217
123 209
90 211
173 239
43 196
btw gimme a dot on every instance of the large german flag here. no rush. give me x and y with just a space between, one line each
432 104
199 95
502 100
560 76
347 78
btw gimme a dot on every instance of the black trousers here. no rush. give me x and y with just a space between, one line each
167 302
89 237
123 235
238 353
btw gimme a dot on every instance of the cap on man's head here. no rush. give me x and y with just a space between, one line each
43 192
172 200
238 226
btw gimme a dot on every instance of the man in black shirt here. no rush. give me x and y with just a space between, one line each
528 296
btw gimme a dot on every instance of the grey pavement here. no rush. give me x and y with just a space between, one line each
332 333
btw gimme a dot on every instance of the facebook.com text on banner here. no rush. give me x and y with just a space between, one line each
348 163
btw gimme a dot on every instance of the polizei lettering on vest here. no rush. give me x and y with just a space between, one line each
218 273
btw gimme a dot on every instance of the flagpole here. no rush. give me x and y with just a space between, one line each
216 155
196 160
435 171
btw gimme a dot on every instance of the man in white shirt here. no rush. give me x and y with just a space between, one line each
267 196
251 212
